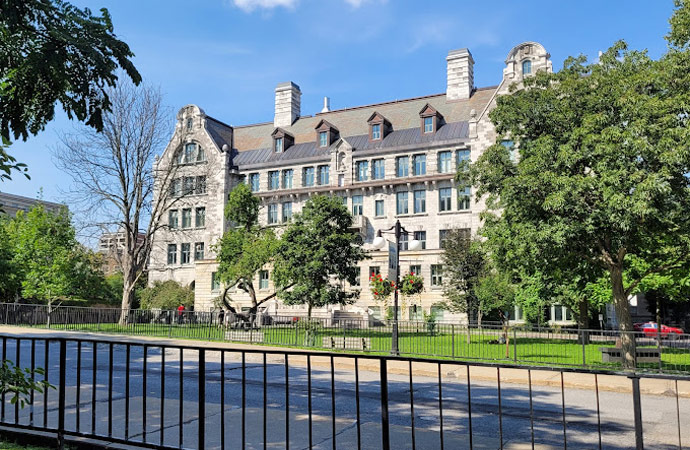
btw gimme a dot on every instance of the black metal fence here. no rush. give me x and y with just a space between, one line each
517 344
163 396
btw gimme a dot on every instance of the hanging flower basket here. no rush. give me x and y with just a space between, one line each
411 284
381 288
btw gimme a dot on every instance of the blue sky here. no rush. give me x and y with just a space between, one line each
227 55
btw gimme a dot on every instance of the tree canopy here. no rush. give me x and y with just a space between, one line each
317 254
602 169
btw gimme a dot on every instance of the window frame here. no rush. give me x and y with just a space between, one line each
185 249
378 202
172 260
199 250
357 207
200 223
378 169
436 278
421 171
285 173
445 202
419 201
445 161
272 214
428 124
184 210
406 166
399 196
308 173
362 175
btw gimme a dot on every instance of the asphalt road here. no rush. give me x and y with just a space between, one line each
520 418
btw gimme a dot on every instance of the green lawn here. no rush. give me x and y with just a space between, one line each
414 340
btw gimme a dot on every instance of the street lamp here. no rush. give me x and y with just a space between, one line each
394 264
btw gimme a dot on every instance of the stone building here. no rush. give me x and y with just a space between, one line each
387 161
10 204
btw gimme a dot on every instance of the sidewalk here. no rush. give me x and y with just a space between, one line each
450 370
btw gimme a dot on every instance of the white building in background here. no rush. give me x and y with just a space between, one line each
387 161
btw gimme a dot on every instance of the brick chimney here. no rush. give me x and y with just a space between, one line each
460 74
287 110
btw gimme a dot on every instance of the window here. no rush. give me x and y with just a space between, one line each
416 313
190 124
272 213
358 278
273 180
401 203
379 209
200 219
287 178
200 185
419 201
374 270
323 139
279 145
438 312
444 162
389 312
200 154
419 163
176 187
198 251
263 279
375 312
402 166
172 219
357 203
442 236
404 242
187 218
187 185
362 170
436 275
428 124
287 211
510 145
464 199
379 169
341 179
324 172
444 195
172 253
462 156
254 182
189 153
215 282
421 237
375 132
186 254
308 176
416 269
526 67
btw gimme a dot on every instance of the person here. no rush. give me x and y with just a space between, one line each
180 312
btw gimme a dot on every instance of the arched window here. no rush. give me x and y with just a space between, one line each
190 153
526 67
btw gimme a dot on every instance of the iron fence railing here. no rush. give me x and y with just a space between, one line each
154 395
521 345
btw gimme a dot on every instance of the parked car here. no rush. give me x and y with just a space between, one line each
650 329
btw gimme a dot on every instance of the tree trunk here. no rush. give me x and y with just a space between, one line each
620 302
469 331
583 321
129 279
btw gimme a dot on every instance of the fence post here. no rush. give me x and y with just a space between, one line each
98 322
582 337
637 409
61 398
452 340
385 433
514 344
202 398
171 317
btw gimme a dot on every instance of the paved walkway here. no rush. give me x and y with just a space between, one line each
450 369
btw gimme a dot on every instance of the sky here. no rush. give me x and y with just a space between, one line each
227 56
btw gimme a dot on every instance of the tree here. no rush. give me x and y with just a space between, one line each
602 168
464 262
114 172
244 249
49 262
50 52
317 254
496 292
166 295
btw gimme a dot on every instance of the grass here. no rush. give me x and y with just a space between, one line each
414 340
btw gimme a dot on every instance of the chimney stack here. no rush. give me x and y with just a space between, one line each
460 74
288 97
326 105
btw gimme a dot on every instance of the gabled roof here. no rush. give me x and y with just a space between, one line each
324 124
221 133
428 110
377 118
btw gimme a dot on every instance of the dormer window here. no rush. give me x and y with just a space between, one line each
430 119
379 127
190 124
375 132
281 140
428 125
526 67
326 134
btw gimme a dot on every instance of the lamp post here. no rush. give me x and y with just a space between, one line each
394 264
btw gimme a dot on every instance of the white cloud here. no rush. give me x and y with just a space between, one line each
357 3
251 5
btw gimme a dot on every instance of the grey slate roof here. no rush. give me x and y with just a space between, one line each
220 132
455 132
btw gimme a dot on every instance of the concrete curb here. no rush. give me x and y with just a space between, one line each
450 371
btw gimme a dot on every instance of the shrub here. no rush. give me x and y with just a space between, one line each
166 295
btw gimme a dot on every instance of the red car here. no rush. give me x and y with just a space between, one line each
650 329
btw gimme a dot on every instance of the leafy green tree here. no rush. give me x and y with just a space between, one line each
244 249
602 167
10 281
317 253
166 295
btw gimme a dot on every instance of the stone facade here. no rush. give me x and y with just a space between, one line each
377 158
